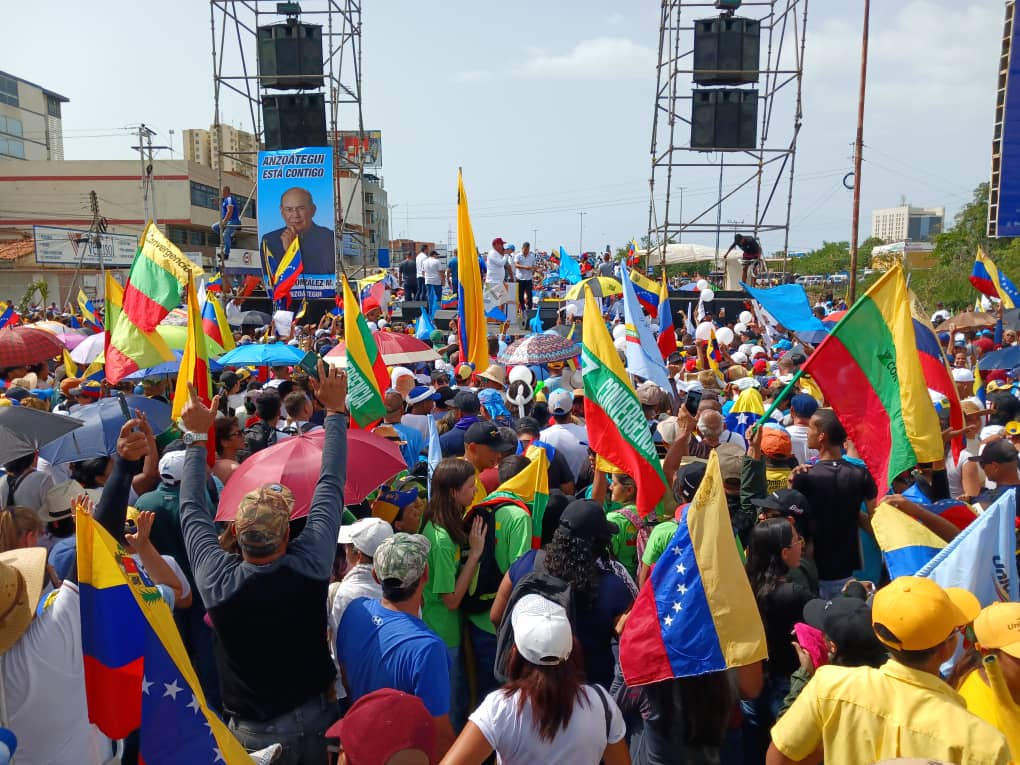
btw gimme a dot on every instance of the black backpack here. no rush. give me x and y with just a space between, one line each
537 582
485 585
258 436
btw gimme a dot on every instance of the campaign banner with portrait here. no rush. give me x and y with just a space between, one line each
295 200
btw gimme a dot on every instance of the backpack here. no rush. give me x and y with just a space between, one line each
643 527
487 579
258 436
536 582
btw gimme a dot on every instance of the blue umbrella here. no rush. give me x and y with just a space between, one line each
168 368
1004 358
261 355
102 423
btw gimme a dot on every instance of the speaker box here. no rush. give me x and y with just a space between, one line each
724 119
290 56
726 51
294 120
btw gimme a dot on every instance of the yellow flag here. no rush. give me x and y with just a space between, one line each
474 342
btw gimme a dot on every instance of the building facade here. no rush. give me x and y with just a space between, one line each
30 123
231 148
907 223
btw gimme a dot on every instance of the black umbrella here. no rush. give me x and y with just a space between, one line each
254 318
1004 358
1011 318
23 430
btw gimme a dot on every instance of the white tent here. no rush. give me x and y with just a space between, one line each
683 253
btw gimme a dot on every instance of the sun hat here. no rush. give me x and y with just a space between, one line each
913 613
22 574
365 534
494 373
542 632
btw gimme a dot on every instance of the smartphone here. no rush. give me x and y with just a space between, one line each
309 364
123 406
692 402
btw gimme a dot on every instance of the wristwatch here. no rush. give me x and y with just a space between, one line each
195 438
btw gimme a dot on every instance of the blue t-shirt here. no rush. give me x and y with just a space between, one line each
594 627
414 443
63 555
380 648
451 266
227 202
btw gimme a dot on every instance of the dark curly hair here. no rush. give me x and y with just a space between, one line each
575 560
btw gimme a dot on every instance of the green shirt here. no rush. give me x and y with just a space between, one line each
624 541
444 564
513 539
658 541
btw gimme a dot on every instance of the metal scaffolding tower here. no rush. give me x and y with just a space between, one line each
745 182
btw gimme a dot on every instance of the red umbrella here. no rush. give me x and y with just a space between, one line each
395 348
834 317
21 346
295 463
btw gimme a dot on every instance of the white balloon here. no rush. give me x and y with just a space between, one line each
707 295
739 328
522 373
703 332
724 335
746 317
702 284
620 330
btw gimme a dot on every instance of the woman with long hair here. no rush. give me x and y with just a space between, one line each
545 712
774 547
453 488
19 527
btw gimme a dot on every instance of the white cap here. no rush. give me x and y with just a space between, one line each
561 401
989 431
739 358
743 383
962 375
366 535
755 350
959 337
522 373
739 328
746 348
399 372
541 631
171 467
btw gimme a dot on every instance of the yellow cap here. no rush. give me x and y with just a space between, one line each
915 614
1013 428
998 627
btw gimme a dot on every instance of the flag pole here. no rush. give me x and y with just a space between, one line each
775 402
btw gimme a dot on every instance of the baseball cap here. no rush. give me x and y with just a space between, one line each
731 462
88 388
497 242
689 478
561 401
803 405
365 534
390 502
397 373
171 467
370 304
541 630
761 366
444 397
962 375
788 502
383 723
467 402
263 517
776 443
17 393
421 393
586 519
846 621
402 557
1000 451
1012 428
913 613
998 627
484 434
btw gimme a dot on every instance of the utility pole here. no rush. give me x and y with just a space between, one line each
95 236
858 150
580 234
145 135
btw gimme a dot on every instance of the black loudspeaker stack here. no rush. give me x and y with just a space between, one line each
293 120
290 59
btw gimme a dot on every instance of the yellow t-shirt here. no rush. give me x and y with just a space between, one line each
983 702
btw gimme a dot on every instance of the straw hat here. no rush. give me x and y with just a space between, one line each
22 573
494 373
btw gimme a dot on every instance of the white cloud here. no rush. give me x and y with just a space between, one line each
599 58
473 75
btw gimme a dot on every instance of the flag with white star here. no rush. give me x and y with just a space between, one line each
746 411
137 673
696 613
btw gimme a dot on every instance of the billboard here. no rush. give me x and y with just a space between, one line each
1004 191
295 199
56 246
355 147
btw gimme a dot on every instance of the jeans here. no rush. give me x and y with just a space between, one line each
228 235
525 295
420 292
831 588
483 644
410 289
458 689
654 747
759 716
301 732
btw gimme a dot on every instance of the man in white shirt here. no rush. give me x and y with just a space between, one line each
802 406
419 262
524 271
434 277
495 272
566 436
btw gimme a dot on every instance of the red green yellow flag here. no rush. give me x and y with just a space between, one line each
531 486
367 378
126 348
617 428
155 282
194 366
471 323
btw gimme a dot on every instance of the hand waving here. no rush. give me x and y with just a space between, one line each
197 417
331 387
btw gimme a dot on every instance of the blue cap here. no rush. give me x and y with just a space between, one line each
803 405
783 345
943 337
421 393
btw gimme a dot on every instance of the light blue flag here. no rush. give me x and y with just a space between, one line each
982 559
536 325
643 356
435 451
569 269
424 327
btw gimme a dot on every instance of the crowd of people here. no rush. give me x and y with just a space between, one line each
447 619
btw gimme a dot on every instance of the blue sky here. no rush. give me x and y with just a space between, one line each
548 106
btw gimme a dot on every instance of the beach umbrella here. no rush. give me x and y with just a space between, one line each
101 424
262 355
23 345
24 430
396 348
539 349
88 349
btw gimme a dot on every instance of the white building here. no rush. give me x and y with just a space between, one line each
907 223
30 125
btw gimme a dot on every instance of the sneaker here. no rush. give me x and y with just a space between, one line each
266 756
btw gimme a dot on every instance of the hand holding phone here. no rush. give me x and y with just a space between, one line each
309 364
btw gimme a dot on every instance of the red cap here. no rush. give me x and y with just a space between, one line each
383 723
761 366
998 375
985 344
691 365
369 304
497 242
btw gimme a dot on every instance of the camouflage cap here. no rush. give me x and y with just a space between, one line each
402 557
263 516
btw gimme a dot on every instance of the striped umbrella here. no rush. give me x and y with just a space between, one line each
539 349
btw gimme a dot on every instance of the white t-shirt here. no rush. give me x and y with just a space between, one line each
798 440
30 492
45 683
358 582
572 440
433 268
520 259
514 735
182 580
419 262
495 265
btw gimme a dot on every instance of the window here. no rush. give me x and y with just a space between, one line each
12 147
177 235
196 238
53 106
11 126
8 90
369 198
204 196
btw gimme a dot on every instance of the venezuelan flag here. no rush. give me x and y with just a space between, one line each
714 355
617 428
214 322
8 316
471 324
194 367
647 292
287 272
531 486
88 311
667 332
988 280
746 411
70 366
127 347
693 616
935 367
367 378
869 370
906 544
215 283
137 672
